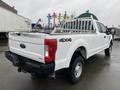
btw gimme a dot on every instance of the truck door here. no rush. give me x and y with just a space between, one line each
103 37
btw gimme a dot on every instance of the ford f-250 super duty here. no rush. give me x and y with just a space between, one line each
67 47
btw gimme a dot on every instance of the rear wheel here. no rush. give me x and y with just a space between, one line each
75 70
108 51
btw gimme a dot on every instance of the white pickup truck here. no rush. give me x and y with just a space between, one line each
67 47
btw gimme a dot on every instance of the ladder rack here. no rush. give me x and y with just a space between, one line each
82 25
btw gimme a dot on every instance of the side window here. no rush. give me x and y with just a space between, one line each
101 27
104 29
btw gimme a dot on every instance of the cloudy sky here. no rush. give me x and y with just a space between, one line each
108 11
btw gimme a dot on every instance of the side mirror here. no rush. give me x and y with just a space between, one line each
108 32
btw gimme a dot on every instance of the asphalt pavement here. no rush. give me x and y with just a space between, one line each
100 73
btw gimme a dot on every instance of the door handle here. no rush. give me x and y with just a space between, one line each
104 36
22 46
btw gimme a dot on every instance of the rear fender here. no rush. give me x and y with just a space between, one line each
74 47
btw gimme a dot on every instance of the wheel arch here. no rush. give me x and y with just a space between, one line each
80 51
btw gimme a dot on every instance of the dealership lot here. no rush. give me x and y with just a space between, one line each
100 73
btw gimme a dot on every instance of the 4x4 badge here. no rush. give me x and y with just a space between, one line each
65 40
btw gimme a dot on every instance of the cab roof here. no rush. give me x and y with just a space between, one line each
87 15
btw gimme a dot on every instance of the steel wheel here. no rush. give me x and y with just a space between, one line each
78 70
75 69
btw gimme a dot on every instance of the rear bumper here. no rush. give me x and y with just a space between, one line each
29 65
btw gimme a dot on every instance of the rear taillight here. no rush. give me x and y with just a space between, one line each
50 50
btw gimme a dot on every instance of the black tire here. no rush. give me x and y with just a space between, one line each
108 51
74 76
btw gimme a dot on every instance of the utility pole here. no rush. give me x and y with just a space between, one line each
49 20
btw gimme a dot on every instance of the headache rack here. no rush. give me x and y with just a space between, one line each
75 26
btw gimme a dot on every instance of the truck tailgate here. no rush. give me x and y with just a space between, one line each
29 45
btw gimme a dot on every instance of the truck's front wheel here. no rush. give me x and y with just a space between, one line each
108 51
75 70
